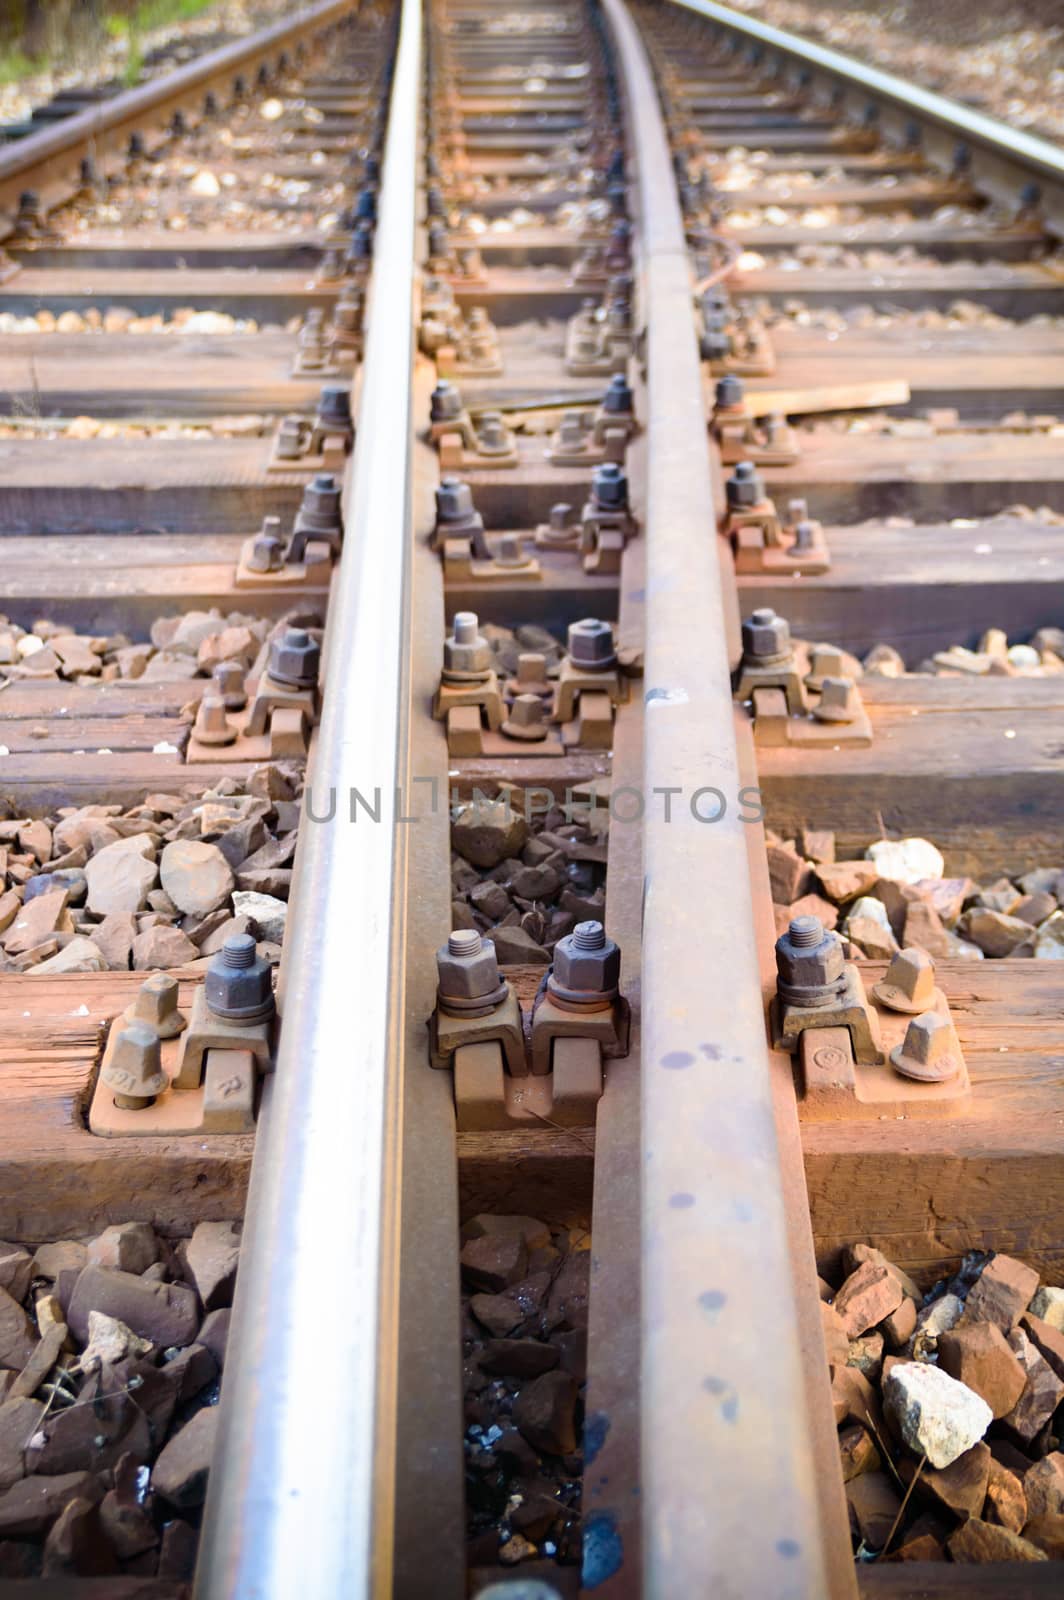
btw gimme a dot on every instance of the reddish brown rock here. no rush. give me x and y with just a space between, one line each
128 1246
789 875
979 1542
846 880
567 1302
15 1270
868 1295
1001 1293
129 1529
1043 1484
1047 1340
545 1413
874 1504
857 1452
855 1255
76 1545
1006 1503
836 1341
517 1358
1047 1534
1042 1393
978 1354
854 1398
811 905
180 1471
28 1508
960 1487
16 1334
900 1326
494 1262
516 1311
18 1421
166 1313
210 1259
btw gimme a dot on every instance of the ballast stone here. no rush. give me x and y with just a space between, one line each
936 1416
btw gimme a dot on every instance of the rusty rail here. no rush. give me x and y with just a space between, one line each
724 1419
51 162
301 1498
1005 163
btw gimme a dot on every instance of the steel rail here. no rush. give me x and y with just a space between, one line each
724 1415
300 1499
1002 160
50 162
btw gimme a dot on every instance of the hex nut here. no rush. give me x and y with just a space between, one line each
586 963
445 404
467 972
156 1004
929 1052
617 401
454 500
238 985
465 650
730 392
744 487
810 964
766 637
609 487
590 644
295 659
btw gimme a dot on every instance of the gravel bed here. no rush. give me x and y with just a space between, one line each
111 1355
947 1405
896 896
525 1287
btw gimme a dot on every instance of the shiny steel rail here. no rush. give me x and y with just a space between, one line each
1002 162
300 1500
50 162
724 1422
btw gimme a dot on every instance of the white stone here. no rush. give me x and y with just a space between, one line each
1049 945
205 183
869 906
196 876
265 910
936 1416
1049 1305
110 1341
1022 656
906 860
80 955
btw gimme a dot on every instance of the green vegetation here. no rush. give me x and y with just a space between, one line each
16 65
149 14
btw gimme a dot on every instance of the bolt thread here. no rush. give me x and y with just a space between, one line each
806 932
239 951
589 936
464 942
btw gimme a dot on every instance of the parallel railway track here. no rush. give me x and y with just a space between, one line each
530 741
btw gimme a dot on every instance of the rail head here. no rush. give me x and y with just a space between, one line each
1002 161
724 1414
51 162
300 1497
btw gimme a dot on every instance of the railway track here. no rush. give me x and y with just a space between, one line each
529 703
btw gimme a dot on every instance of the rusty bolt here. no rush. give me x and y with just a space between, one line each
439 241
838 701
804 536
587 965
508 552
744 488
334 409
930 1052
527 720
267 550
319 510
730 392
810 964
434 206
766 638
228 680
573 430
331 267
559 517
466 653
212 724
156 1004
797 511
467 971
826 661
366 204
609 487
590 645
361 246
445 404
531 675
908 985
454 500
238 987
493 436
618 401
295 659
290 439
135 1073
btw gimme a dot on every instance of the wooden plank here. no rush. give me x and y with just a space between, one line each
56 1179
132 485
161 375
263 295
919 193
1022 289
922 588
944 241
985 371
853 477
978 767
38 784
102 583
942 1580
926 1192
812 398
